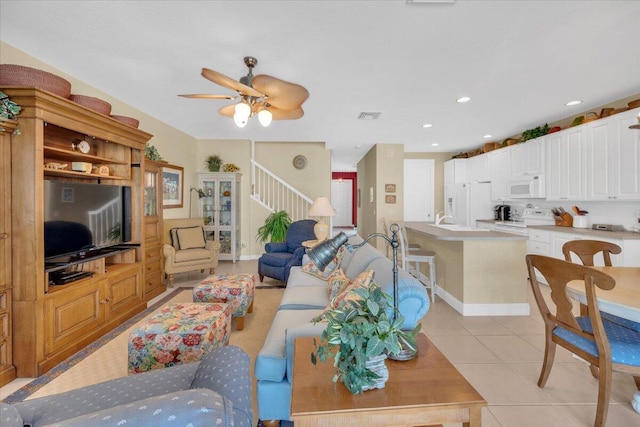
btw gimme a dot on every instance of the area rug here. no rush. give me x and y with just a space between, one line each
106 358
73 360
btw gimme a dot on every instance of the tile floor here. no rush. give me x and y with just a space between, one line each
501 357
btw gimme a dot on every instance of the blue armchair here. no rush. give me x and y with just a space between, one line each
280 257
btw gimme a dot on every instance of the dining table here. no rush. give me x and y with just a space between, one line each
623 300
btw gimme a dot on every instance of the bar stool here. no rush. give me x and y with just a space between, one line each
411 260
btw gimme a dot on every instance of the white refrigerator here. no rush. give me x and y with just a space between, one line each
468 202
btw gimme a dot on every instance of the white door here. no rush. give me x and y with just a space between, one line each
342 202
418 189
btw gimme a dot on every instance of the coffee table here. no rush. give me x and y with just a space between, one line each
427 390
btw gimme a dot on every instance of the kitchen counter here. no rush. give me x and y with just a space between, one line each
478 273
430 230
621 235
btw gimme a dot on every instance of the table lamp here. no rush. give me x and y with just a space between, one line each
323 253
321 207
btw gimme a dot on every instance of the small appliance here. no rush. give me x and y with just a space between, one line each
502 212
526 187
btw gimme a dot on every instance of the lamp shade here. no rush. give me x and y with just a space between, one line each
321 207
265 117
323 253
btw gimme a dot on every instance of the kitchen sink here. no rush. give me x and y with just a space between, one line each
456 227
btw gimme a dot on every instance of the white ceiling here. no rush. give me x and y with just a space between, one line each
519 61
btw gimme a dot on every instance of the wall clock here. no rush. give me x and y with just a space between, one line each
299 162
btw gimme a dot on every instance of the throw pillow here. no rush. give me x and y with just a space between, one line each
347 293
190 238
337 281
312 269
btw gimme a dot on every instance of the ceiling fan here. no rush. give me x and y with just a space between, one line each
268 97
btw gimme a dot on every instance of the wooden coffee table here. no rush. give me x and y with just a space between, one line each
427 390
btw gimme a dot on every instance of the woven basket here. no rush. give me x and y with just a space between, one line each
95 104
127 120
21 76
634 104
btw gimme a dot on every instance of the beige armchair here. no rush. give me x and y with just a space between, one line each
186 249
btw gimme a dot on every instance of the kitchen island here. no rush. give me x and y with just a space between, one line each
478 273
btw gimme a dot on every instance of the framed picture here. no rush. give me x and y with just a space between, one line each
389 188
172 186
390 199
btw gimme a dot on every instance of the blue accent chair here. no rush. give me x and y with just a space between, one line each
281 256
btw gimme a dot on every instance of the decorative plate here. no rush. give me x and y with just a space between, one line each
299 162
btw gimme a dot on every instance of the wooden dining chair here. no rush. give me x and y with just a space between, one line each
587 249
606 345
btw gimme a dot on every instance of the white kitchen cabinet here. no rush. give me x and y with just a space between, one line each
478 168
538 242
629 257
528 158
499 165
566 164
220 209
455 171
613 158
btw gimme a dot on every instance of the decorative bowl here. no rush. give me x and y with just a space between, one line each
21 76
92 103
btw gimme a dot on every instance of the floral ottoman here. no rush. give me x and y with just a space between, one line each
178 333
237 290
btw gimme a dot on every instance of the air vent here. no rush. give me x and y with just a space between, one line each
368 116
430 1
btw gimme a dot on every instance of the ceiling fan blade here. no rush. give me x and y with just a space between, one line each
230 83
278 113
281 94
207 96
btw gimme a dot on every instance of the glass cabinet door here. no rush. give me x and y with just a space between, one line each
225 200
208 203
150 193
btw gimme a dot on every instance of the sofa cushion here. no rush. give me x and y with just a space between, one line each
192 255
9 416
271 363
300 279
360 259
311 268
190 238
199 407
304 298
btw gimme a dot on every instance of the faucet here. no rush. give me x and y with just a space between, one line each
439 218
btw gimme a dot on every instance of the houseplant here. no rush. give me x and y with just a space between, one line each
275 227
360 330
213 163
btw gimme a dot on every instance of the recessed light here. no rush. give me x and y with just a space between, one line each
571 103
359 146
435 144
427 125
487 136
463 99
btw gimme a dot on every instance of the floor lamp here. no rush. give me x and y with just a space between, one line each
200 196
323 253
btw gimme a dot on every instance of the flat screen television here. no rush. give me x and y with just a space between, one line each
80 217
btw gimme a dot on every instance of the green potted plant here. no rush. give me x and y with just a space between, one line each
213 163
359 333
275 227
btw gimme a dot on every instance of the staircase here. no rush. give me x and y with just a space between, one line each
273 193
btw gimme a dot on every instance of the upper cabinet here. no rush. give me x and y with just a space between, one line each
478 168
566 164
499 166
455 171
528 158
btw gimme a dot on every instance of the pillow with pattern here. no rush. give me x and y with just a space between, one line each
347 293
312 269
190 238
337 281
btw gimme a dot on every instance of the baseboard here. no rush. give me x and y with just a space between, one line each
505 309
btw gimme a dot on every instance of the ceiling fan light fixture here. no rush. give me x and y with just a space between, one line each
265 117
243 110
241 121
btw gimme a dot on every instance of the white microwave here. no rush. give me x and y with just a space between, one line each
526 187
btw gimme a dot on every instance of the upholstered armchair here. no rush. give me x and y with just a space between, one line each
186 248
281 256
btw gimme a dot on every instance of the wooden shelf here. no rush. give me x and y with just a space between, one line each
68 173
73 156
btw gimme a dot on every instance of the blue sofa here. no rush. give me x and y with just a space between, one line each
304 298
213 392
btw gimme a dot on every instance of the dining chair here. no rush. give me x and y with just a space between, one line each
604 344
587 249
411 260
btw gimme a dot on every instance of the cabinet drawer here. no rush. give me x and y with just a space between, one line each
152 251
152 281
538 248
125 290
152 231
541 236
152 265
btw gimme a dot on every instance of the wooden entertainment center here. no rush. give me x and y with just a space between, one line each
51 323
